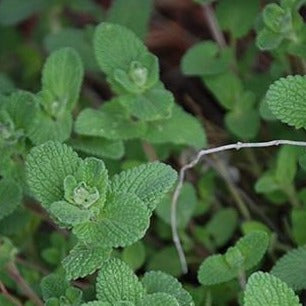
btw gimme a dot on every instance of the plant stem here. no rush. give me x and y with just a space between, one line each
9 296
292 196
22 284
213 25
233 190
149 151
242 279
195 161
253 161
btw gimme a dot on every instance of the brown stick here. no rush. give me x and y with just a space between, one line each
23 285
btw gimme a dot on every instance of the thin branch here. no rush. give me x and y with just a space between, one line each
149 151
11 298
23 285
176 194
213 25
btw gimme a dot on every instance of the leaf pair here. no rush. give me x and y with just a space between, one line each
117 284
246 253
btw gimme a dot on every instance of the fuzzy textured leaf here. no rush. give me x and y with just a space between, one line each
116 47
123 221
62 77
266 289
291 268
111 122
44 128
150 182
10 197
103 148
158 299
154 104
246 253
84 260
157 281
47 166
286 99
181 129
117 282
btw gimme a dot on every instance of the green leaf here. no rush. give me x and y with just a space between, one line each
243 124
185 208
217 83
205 58
158 299
150 182
222 226
102 148
116 47
286 166
84 260
117 282
154 104
291 268
22 108
69 214
8 252
78 39
123 221
62 77
242 17
93 173
267 183
111 122
266 289
124 59
157 281
134 15
277 19
286 99
6 84
134 255
99 303
44 128
181 128
298 220
167 261
246 253
47 166
15 11
10 197
53 285
268 40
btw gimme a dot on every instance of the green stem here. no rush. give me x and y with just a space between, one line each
253 161
242 279
233 190
208 299
149 151
292 195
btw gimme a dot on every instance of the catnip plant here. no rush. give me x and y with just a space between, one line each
152 152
